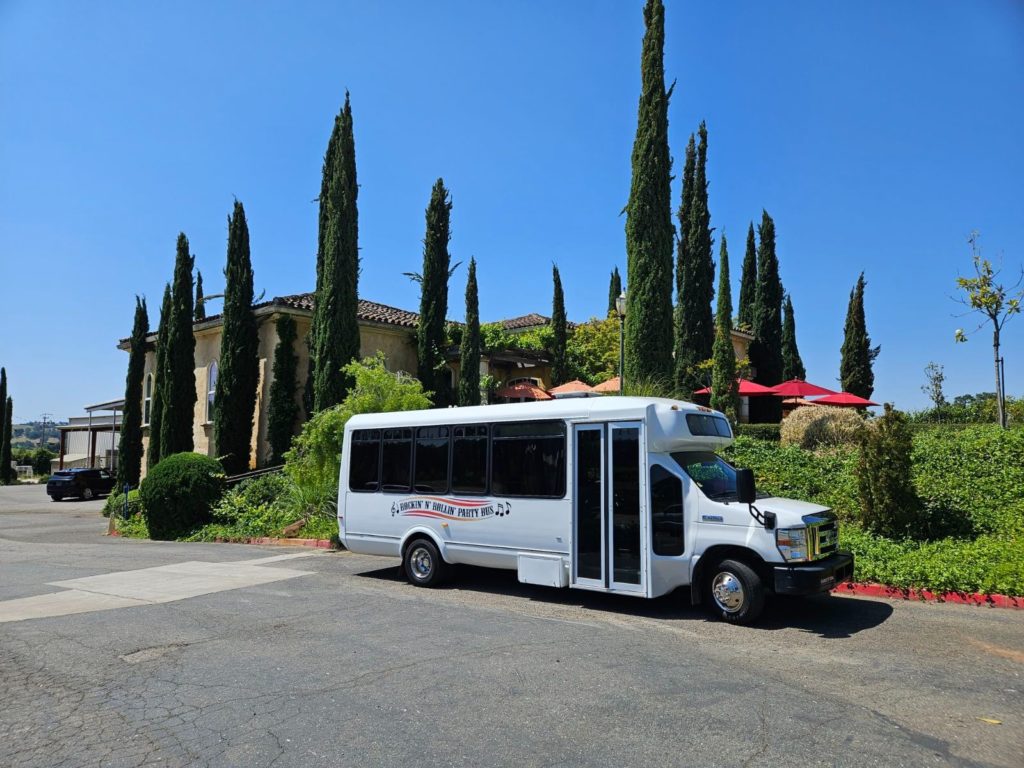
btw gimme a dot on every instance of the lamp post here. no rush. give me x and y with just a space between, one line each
620 309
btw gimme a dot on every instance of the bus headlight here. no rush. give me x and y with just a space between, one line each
792 544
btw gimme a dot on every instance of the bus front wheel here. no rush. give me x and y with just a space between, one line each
424 566
734 592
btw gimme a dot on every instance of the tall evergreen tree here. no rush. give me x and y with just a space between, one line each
6 457
766 349
748 283
560 333
430 334
695 275
200 312
5 430
614 290
855 367
284 410
156 406
179 391
792 365
234 403
129 450
469 350
649 230
334 335
725 394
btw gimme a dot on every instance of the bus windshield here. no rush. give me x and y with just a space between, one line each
712 474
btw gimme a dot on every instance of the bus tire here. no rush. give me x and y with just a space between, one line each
734 592
423 564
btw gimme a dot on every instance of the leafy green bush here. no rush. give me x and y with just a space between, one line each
115 504
824 477
179 492
974 472
256 493
821 427
889 503
133 527
988 564
769 432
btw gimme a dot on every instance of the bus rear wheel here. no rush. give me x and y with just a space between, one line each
734 592
424 565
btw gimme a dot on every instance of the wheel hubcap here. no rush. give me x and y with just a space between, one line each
728 592
421 563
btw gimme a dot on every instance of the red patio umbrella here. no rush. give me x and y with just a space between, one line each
523 390
844 399
799 388
748 388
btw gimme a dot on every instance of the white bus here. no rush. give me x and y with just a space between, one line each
616 494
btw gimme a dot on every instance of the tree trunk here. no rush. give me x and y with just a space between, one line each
1000 405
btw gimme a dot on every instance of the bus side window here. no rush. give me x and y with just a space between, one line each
666 512
364 466
431 460
469 459
396 459
528 459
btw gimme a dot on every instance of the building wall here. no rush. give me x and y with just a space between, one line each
398 345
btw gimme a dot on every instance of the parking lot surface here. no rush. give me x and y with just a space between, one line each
231 655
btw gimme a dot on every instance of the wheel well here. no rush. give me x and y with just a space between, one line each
416 537
716 554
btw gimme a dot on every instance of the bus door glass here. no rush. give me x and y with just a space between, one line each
608 528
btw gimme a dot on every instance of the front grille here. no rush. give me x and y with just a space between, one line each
822 536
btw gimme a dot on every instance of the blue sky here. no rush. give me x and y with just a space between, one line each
878 135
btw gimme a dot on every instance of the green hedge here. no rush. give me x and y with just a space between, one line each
178 494
115 504
770 432
988 564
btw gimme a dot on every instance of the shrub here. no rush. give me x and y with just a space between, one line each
179 492
889 504
254 494
823 477
974 473
115 504
769 432
821 427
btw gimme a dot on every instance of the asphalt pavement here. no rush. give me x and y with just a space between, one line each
202 655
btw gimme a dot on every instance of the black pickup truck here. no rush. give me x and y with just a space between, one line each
84 483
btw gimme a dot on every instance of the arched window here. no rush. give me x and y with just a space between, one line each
211 389
147 399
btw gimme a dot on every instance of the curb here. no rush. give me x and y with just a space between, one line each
315 543
926 595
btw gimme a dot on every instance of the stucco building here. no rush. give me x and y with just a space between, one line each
381 329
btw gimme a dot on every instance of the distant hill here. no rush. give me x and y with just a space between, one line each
30 435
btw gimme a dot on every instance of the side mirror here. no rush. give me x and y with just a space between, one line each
746 492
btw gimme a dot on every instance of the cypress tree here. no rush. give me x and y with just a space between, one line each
129 450
649 230
748 283
179 391
792 365
234 402
6 456
469 350
695 328
156 409
200 313
725 396
334 335
855 371
766 349
614 290
6 429
559 363
283 409
430 335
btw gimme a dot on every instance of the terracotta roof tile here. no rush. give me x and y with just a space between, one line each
531 320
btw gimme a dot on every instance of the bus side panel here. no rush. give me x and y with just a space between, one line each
481 530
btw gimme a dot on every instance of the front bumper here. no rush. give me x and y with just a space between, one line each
811 578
